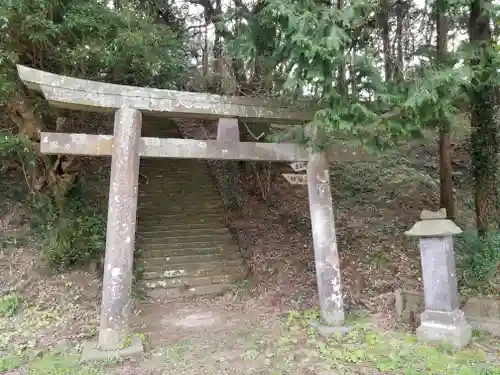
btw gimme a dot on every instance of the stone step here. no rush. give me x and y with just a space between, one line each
157 223
147 218
178 186
166 240
218 267
182 169
202 290
168 215
185 245
181 224
153 226
145 260
169 170
169 197
166 174
192 270
169 232
187 193
178 203
180 217
183 282
148 232
159 175
149 179
156 251
193 211
159 178
181 193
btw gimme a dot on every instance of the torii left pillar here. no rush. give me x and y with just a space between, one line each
114 332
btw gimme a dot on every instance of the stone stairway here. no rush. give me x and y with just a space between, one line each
184 247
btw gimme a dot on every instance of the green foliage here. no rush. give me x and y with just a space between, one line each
9 362
53 364
366 348
15 149
313 41
478 258
71 236
9 304
88 39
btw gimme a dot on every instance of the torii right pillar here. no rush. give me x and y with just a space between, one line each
326 255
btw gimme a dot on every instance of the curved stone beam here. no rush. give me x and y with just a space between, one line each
80 94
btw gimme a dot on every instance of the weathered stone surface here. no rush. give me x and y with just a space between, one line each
429 215
221 150
325 242
228 130
76 144
447 326
439 274
433 224
481 313
92 352
121 225
408 302
442 318
327 330
99 145
73 93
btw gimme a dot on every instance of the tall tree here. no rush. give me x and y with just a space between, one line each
484 130
445 162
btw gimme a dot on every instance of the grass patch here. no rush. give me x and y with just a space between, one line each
9 304
50 364
367 348
10 362
55 364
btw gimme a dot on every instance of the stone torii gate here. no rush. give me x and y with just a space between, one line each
126 147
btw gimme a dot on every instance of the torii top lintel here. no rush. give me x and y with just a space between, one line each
80 94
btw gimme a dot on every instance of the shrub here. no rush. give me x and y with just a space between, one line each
72 236
477 258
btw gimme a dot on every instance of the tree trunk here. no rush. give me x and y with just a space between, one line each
484 132
341 82
398 68
445 162
446 171
57 173
205 52
384 19
354 78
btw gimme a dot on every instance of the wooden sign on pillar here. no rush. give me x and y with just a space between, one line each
295 179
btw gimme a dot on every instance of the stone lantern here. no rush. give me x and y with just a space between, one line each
442 319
